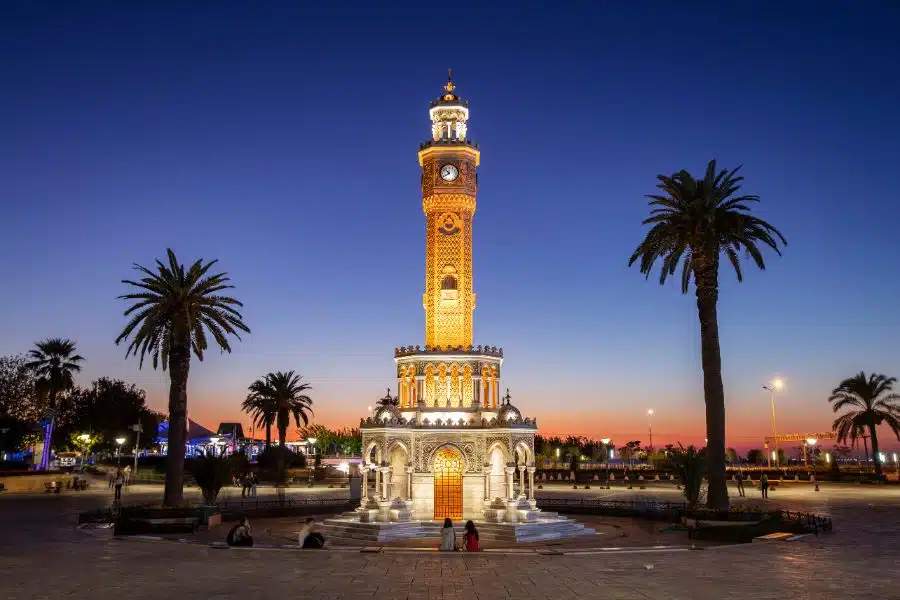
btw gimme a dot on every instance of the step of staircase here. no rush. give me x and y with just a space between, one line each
346 529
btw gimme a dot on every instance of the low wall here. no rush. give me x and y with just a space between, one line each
35 483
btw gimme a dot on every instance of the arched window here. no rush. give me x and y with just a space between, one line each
448 283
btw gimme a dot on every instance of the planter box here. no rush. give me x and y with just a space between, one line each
146 521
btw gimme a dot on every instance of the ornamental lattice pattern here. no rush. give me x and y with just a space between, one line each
449 299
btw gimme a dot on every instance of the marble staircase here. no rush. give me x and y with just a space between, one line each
347 530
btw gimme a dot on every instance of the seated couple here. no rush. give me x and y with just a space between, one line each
448 538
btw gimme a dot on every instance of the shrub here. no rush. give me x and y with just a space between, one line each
211 473
268 459
690 466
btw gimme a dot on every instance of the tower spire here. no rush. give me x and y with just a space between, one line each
449 96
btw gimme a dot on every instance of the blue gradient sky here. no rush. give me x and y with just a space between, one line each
282 140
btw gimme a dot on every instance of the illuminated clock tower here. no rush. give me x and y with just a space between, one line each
449 184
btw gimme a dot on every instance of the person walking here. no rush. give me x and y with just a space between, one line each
470 538
740 483
245 486
126 473
254 481
448 537
118 482
764 485
110 477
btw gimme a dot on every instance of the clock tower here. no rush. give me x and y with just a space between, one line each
449 185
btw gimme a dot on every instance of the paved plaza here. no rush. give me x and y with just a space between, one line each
45 557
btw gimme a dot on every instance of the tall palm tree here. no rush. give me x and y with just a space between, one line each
54 363
871 403
284 393
695 222
173 310
262 409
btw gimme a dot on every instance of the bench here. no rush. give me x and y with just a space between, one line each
52 487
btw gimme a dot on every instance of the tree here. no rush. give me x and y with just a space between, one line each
84 442
695 222
731 456
756 456
17 392
168 321
110 407
263 410
285 391
54 363
871 403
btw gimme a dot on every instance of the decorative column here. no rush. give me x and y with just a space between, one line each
495 385
510 470
522 480
386 482
531 471
377 472
487 481
409 488
365 482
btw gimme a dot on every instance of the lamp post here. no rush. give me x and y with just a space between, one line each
311 448
214 440
119 442
137 428
773 387
84 437
650 426
810 442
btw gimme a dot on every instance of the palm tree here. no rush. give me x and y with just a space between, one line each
283 392
694 222
871 403
54 364
169 320
262 409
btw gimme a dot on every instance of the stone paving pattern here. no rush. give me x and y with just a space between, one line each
44 557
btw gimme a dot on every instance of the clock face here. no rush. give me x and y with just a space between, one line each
449 172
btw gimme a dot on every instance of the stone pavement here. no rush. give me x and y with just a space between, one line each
49 559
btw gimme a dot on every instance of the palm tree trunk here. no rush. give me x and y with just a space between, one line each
179 365
282 450
706 277
268 434
875 455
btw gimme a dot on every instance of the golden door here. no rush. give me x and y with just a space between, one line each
448 470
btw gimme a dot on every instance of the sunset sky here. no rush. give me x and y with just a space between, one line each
281 138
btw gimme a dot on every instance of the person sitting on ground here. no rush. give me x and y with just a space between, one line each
240 534
470 538
448 537
308 538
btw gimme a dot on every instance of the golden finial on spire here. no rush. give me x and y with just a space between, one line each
449 87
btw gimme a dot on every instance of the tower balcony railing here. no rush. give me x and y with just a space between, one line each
448 142
462 350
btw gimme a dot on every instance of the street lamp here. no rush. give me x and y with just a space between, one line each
119 442
773 387
810 442
84 437
650 426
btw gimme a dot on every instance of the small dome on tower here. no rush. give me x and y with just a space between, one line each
507 411
387 408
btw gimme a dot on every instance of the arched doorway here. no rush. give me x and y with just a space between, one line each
448 471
